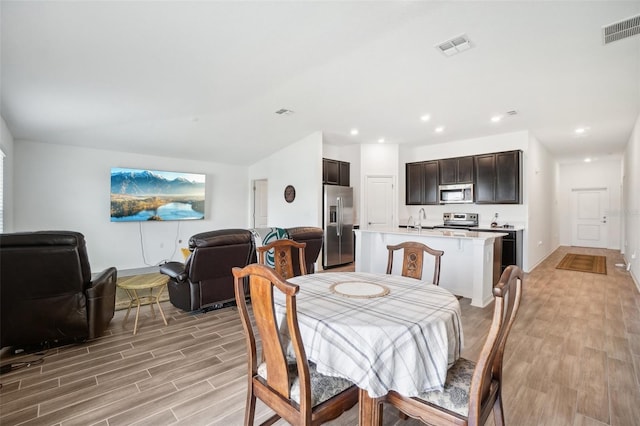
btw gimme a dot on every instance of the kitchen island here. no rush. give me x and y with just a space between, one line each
468 268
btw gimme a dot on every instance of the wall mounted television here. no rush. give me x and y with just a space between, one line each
143 195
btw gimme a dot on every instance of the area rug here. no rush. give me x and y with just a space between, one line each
584 263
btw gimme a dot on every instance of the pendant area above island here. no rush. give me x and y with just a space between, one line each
470 264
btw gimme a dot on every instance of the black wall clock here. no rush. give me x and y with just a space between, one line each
289 193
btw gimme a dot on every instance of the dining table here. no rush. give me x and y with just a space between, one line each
382 332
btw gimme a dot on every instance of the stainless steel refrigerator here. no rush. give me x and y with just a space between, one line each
338 225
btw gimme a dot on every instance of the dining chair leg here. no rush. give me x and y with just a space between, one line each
250 408
498 413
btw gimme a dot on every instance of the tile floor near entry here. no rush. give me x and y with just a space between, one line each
573 358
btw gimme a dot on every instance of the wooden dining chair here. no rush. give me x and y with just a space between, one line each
472 389
283 256
290 387
413 258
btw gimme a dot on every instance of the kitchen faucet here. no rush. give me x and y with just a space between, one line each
411 223
421 215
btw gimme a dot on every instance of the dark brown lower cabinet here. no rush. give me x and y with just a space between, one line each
511 247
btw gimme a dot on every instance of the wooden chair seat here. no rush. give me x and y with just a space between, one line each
323 387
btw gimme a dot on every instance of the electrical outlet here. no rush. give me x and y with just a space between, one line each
539 243
633 256
161 245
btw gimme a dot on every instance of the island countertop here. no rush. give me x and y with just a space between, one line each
438 233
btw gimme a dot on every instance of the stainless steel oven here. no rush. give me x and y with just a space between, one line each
455 194
463 221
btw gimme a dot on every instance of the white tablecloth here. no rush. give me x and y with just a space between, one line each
402 341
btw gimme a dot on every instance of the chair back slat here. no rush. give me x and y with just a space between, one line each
261 291
413 259
488 372
283 256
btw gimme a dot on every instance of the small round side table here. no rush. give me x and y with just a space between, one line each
134 285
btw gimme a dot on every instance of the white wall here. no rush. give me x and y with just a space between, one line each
539 192
631 183
605 173
65 187
352 155
300 165
6 145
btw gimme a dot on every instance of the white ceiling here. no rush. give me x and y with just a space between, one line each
202 80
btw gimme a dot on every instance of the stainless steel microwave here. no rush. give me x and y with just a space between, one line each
455 194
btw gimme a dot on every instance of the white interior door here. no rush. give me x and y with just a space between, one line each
260 196
379 202
589 217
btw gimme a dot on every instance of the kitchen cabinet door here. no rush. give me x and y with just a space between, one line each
465 170
485 179
414 183
344 178
508 177
421 183
430 192
456 170
330 172
497 178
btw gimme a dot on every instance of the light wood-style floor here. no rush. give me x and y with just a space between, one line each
573 358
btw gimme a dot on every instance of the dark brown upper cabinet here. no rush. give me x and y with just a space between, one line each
422 183
498 178
456 170
335 172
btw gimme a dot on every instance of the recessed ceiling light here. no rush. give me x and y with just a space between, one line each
439 129
425 117
580 130
354 132
496 118
587 160
381 140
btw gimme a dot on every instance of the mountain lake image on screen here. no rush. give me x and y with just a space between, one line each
141 195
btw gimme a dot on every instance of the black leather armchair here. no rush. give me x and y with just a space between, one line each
205 279
47 292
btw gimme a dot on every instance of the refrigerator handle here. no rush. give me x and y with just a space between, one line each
339 218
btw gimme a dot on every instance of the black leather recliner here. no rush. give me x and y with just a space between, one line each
47 293
205 279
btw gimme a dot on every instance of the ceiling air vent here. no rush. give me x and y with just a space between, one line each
622 29
455 45
284 111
